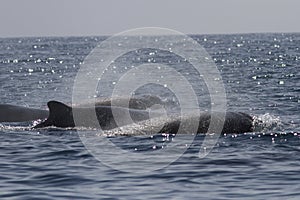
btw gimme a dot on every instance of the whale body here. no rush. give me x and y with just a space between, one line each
61 115
234 122
12 113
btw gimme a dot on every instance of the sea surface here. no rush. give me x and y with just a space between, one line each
261 77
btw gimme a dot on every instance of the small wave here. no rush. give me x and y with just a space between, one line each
15 127
267 122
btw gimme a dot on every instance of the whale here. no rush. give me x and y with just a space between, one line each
234 122
61 115
141 102
13 113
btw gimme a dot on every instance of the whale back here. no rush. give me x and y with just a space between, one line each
61 115
12 113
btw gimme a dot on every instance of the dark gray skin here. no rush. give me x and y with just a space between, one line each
61 115
140 102
11 113
235 122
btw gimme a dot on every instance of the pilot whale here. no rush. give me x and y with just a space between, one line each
61 115
12 113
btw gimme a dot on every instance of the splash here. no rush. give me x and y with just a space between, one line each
14 127
267 122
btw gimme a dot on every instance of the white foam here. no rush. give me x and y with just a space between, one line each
267 122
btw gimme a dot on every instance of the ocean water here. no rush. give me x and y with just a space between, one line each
260 73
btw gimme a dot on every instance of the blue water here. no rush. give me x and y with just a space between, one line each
260 73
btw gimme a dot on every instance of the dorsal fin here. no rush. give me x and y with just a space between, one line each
60 115
57 108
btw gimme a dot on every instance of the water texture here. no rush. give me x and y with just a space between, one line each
260 73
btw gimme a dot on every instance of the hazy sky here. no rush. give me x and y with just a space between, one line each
107 17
